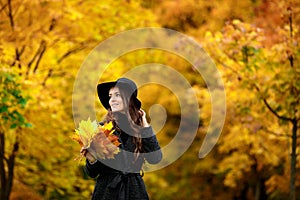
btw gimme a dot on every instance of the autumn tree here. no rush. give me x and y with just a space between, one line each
268 74
195 17
12 103
45 42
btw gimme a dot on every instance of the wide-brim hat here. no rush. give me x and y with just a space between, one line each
123 83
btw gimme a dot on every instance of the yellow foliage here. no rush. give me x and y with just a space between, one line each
97 139
86 131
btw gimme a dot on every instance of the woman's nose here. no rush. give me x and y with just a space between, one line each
112 98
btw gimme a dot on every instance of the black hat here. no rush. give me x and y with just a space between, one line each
125 83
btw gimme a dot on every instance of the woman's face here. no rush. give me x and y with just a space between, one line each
115 100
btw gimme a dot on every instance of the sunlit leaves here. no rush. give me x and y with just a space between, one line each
50 39
46 45
260 78
86 131
12 100
99 140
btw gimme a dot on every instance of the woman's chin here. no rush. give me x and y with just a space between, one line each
118 111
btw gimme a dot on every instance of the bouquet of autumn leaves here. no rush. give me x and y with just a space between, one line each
99 140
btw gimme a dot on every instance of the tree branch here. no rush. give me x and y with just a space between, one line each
38 52
67 54
52 24
277 134
22 50
39 58
70 52
47 77
230 68
271 109
291 57
3 7
18 58
275 113
10 15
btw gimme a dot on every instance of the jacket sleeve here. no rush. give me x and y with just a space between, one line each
94 169
151 146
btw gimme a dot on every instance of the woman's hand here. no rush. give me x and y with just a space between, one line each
84 152
144 119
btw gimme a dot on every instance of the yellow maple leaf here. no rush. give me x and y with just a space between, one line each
86 131
99 140
108 126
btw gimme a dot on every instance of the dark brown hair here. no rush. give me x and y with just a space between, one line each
133 115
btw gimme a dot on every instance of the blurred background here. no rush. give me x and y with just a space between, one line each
254 44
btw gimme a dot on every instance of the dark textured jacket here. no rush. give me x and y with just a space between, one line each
120 178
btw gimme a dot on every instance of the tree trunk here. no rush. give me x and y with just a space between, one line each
293 161
260 190
6 181
2 167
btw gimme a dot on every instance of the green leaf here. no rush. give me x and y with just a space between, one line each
13 126
3 109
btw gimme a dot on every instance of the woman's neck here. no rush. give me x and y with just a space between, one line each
122 122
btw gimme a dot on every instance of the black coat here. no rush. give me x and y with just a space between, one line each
125 182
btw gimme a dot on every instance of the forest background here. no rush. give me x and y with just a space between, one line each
254 43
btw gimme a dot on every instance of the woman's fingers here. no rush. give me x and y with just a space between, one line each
142 113
144 119
83 151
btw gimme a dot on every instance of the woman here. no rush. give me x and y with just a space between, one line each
121 177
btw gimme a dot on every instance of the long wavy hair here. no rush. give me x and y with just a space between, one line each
134 116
